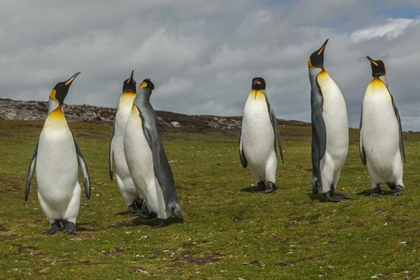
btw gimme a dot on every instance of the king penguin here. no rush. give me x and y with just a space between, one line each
259 134
55 161
381 137
330 135
116 152
146 158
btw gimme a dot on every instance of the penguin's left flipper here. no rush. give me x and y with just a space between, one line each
276 131
31 170
111 153
319 146
84 168
242 157
361 149
402 151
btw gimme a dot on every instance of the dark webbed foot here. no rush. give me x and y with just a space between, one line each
260 187
332 197
159 223
148 215
145 212
132 210
376 191
398 190
55 227
69 227
271 187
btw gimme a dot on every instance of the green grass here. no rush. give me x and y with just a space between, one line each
228 233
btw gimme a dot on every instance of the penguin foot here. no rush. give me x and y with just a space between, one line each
55 227
145 211
260 187
271 188
398 191
148 215
69 227
132 210
331 197
160 223
376 191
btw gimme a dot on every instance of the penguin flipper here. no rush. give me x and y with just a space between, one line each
361 149
31 170
242 157
84 168
111 153
402 151
319 145
276 131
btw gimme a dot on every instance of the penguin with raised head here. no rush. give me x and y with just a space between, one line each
116 152
259 135
330 129
146 158
381 138
55 161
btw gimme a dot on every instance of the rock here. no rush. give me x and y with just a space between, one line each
168 121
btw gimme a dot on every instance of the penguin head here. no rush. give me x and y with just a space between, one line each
316 60
378 67
59 92
147 84
130 84
258 83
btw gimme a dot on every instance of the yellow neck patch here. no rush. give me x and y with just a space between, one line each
57 113
256 95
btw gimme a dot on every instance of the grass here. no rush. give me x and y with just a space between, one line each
228 233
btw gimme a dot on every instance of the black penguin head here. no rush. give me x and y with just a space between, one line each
316 60
378 67
130 84
258 83
147 83
61 89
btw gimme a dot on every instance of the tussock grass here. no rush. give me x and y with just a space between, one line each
228 233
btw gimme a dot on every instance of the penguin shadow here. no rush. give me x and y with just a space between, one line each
91 227
253 189
369 192
250 189
123 213
317 196
321 198
154 223
136 221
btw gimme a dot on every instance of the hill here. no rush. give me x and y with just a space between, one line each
168 121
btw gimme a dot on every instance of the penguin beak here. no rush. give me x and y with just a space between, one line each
321 50
131 77
372 61
69 81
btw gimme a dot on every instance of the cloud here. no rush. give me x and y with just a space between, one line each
202 55
391 29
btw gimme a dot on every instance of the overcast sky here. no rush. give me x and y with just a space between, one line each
202 55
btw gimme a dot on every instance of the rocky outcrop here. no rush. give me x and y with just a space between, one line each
168 121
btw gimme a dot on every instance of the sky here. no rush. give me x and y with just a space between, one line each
202 55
